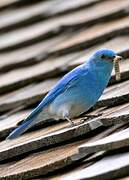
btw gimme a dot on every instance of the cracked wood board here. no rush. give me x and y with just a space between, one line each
21 77
40 56
28 55
91 36
9 20
118 110
39 11
110 167
41 163
7 3
26 36
26 96
40 71
9 61
116 115
87 160
111 142
115 95
118 44
45 137
58 133
113 115
109 119
46 161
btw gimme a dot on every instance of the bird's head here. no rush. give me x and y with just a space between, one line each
103 61
105 56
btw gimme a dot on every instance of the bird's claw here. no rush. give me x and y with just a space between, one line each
72 124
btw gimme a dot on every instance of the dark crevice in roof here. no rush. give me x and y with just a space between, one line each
85 163
96 40
22 155
33 62
67 28
42 37
17 3
45 15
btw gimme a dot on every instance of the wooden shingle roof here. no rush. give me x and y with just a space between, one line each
40 41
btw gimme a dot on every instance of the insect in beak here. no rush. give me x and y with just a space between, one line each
117 67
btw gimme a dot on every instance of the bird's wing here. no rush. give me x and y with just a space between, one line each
68 81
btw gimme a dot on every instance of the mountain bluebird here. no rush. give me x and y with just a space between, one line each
75 93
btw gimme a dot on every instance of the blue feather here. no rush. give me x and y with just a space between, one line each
76 92
61 86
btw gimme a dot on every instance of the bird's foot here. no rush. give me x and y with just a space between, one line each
70 121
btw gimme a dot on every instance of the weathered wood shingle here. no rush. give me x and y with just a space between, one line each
40 41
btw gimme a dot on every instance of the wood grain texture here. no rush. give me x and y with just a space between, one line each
112 166
115 141
38 12
40 41
38 31
59 133
47 161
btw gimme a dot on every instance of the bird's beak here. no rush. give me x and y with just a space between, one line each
117 58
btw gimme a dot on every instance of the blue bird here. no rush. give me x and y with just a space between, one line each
75 93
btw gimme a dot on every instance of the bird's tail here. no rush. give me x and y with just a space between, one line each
37 115
21 129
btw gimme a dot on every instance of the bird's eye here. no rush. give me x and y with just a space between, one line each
103 56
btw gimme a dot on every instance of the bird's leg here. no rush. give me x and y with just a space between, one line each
70 121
